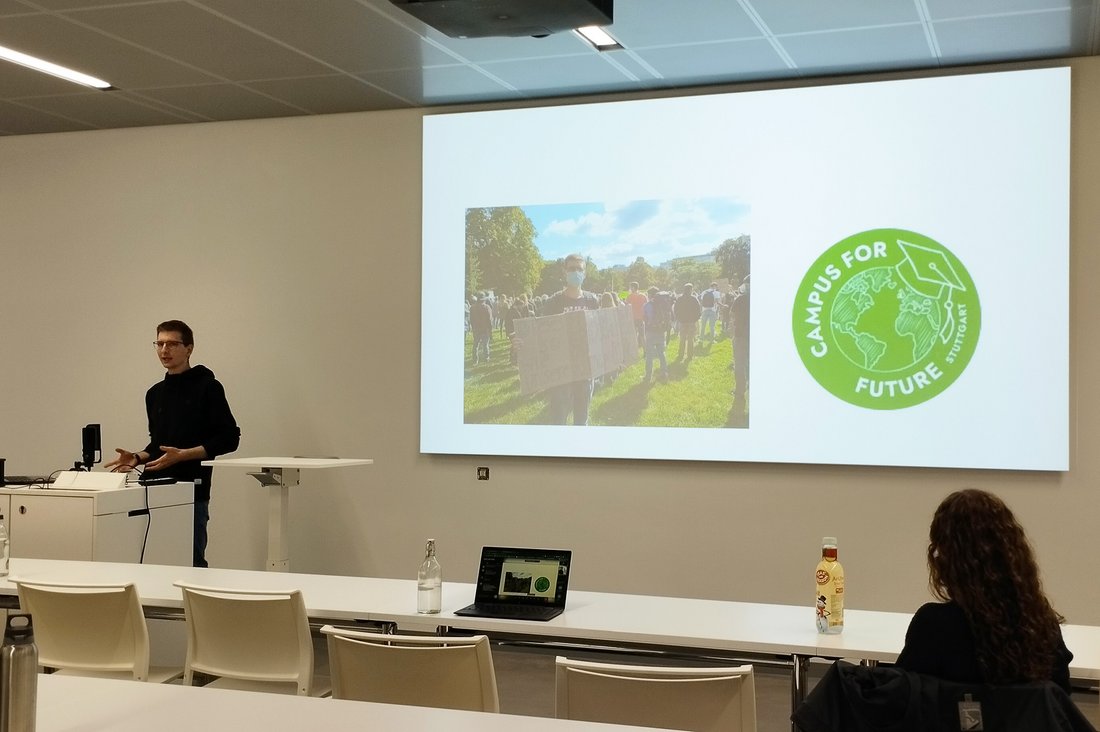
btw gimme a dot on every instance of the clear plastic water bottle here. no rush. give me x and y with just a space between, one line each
4 548
429 582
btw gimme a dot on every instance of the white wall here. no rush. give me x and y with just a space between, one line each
292 247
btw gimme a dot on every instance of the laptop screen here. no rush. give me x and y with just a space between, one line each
523 576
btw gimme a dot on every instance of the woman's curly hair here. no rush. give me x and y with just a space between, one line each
979 557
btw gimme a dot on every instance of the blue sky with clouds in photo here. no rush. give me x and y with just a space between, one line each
618 233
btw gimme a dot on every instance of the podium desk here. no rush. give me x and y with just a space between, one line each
279 474
130 524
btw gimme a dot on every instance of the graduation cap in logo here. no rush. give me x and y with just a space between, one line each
928 272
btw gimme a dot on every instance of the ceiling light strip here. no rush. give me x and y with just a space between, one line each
598 37
48 67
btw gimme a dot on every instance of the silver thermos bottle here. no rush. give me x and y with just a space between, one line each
18 675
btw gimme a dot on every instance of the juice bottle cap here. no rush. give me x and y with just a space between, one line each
829 541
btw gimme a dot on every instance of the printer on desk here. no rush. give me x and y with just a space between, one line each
73 480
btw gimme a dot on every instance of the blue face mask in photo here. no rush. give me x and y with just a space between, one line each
574 278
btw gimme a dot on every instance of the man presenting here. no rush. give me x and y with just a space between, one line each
189 421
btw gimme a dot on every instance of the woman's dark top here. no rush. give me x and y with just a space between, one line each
939 643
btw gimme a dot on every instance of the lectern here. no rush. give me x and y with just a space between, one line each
279 474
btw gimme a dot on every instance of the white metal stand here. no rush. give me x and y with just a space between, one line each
278 474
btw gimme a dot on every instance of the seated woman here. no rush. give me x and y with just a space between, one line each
995 624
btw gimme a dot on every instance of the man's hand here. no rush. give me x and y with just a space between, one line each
124 463
171 456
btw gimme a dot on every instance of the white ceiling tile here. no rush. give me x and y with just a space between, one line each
105 110
477 50
171 58
561 76
641 23
945 9
19 81
710 63
14 7
1033 35
194 36
223 102
802 16
55 39
16 119
347 35
849 51
441 85
328 94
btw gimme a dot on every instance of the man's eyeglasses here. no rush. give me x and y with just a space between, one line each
167 345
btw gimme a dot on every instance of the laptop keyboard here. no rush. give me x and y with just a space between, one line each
520 612
28 479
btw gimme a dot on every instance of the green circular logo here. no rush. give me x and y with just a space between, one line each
886 319
542 584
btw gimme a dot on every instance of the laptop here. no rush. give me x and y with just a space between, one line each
520 584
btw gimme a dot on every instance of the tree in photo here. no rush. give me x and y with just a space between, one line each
500 250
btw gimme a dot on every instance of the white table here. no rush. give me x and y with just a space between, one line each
278 474
73 703
590 617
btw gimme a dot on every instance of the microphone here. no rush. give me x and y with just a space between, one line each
92 449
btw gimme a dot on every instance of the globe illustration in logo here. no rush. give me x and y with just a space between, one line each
882 325
886 319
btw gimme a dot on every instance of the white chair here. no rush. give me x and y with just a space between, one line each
428 671
91 630
702 699
257 640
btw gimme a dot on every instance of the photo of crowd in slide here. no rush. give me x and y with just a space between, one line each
632 314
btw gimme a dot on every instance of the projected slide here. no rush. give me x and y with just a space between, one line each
588 272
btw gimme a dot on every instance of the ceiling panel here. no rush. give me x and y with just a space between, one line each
197 37
477 50
19 81
16 119
693 22
223 102
804 16
572 74
104 110
327 94
199 60
711 63
1033 35
942 9
11 7
347 34
850 51
442 85
72 45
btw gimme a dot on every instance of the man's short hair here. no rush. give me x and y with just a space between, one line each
178 326
713 285
633 285
572 258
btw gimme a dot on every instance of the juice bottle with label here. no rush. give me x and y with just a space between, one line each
829 596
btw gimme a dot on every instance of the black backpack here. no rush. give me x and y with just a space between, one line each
662 308
708 299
